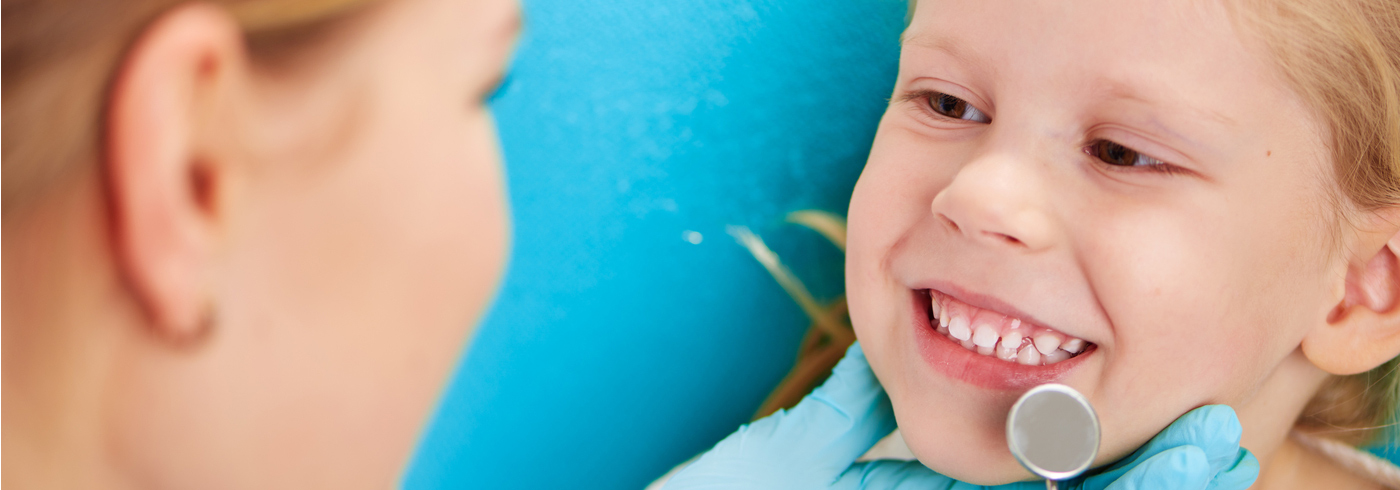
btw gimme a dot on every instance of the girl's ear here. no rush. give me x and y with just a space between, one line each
163 171
1363 330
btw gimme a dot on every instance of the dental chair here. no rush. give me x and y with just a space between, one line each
632 330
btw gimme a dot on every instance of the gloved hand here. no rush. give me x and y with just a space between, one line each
815 445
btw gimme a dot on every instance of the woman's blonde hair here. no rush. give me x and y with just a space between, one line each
1343 58
59 59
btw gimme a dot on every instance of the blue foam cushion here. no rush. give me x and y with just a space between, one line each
618 348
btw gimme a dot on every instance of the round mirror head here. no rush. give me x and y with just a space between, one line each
1053 431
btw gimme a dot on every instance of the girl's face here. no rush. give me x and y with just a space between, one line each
1121 196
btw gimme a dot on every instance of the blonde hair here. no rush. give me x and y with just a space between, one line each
59 59
1342 57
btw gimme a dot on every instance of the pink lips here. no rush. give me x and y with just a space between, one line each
959 363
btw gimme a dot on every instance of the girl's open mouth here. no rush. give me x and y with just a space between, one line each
993 334
990 349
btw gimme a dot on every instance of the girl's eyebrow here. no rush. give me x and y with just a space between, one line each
950 46
1121 89
930 41
1124 90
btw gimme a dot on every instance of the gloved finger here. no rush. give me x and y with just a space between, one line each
1213 429
816 441
840 420
894 474
912 475
1239 475
1178 468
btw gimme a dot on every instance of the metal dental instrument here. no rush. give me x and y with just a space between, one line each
1053 432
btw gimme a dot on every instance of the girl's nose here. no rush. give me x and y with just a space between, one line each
996 200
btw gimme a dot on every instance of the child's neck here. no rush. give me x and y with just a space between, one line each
1293 466
1268 417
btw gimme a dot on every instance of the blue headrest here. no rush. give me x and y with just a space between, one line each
632 331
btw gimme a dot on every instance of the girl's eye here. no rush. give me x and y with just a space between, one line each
1121 156
953 107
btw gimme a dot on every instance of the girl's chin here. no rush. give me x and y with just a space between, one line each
956 430
963 453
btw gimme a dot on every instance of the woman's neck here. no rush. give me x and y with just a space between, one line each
60 319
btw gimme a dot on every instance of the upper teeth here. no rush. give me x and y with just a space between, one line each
985 336
992 334
1047 342
1073 346
1010 342
959 328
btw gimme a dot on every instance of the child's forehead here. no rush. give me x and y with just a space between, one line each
1129 32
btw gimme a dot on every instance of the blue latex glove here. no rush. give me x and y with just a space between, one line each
815 445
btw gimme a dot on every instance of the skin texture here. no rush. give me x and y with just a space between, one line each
1230 279
268 278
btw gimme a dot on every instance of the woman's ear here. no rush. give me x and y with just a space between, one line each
165 175
1363 330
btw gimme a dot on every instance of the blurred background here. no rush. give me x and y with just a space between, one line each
632 331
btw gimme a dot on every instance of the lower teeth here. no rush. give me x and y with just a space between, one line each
1012 348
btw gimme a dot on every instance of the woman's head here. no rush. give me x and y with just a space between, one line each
1153 178
245 241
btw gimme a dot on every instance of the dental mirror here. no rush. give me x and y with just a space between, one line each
1053 432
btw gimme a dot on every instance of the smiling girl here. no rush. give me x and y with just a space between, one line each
1163 204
